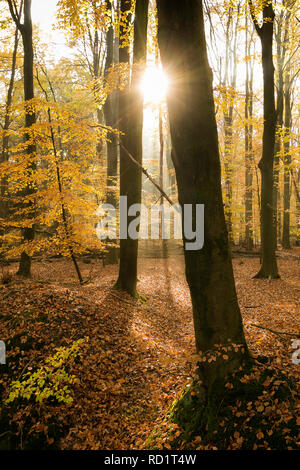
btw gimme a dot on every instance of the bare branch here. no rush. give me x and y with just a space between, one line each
279 333
16 16
146 174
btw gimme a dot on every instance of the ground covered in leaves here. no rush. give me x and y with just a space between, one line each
136 357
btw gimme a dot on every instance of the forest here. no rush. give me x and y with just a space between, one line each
149 227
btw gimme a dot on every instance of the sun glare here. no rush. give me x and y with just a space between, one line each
154 85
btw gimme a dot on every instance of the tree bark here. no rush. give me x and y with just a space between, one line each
229 86
286 243
266 165
131 115
111 256
248 146
7 120
195 154
25 29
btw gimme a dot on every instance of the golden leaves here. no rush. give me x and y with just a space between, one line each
76 141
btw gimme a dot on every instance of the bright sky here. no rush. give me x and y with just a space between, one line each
43 12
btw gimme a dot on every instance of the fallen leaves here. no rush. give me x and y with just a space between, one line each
140 355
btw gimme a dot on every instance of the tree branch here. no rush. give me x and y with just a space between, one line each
279 333
251 8
163 193
16 16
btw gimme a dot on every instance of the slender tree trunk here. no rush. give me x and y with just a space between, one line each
228 122
296 186
161 164
131 115
229 85
111 256
266 165
195 154
7 121
279 107
286 244
248 146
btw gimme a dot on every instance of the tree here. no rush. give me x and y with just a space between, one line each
286 244
6 125
195 154
280 37
87 24
248 141
110 115
266 165
229 94
25 29
131 124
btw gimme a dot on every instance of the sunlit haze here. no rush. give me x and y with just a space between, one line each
154 85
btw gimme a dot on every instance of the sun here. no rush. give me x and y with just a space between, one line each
154 85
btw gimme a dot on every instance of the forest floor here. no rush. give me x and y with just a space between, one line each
137 358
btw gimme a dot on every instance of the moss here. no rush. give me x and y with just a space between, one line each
235 410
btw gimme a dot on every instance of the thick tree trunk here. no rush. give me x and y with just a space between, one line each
266 165
195 154
25 29
131 116
30 119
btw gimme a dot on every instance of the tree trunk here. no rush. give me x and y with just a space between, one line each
131 115
286 244
25 29
248 147
266 165
7 121
279 108
195 154
229 85
111 256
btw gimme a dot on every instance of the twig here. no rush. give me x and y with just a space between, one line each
279 333
163 193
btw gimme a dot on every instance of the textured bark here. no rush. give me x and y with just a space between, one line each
131 119
266 165
195 154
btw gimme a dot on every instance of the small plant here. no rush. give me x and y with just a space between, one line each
50 380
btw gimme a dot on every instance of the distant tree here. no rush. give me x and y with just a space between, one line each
6 124
266 165
248 140
131 124
110 115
